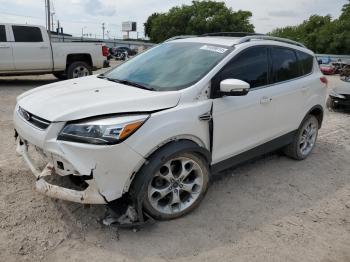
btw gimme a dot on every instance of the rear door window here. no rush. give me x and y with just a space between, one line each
27 34
306 62
2 34
285 65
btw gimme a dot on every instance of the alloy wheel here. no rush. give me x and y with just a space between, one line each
308 138
80 71
176 186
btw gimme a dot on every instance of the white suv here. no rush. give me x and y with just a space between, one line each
149 133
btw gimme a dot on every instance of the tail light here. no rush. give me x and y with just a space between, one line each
105 50
324 80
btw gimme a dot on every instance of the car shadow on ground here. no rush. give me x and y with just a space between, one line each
239 201
9 82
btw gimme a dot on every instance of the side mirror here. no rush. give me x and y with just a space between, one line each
234 87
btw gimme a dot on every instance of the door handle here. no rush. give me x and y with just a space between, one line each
4 46
44 47
265 100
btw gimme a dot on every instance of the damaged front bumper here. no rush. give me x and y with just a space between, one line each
90 195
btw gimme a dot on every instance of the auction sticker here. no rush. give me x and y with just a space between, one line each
212 48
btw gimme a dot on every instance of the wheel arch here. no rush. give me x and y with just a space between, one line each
79 57
172 146
182 145
318 112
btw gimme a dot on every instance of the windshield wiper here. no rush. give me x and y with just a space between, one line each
130 83
126 82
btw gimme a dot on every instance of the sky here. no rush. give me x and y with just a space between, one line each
87 16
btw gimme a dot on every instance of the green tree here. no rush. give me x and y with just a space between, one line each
198 18
148 24
322 34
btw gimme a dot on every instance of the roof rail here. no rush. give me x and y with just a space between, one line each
266 37
232 34
180 37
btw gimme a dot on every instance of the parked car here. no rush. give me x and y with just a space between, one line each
345 73
118 54
131 52
27 49
339 97
327 69
148 135
324 60
338 67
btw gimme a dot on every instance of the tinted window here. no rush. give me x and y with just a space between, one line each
250 66
284 63
2 33
27 34
306 62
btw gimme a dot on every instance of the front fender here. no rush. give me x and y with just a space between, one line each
181 122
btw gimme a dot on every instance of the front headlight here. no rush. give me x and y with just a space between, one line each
102 131
334 94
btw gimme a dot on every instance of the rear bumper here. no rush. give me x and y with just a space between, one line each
90 195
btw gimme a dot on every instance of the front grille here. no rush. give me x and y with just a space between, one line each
33 119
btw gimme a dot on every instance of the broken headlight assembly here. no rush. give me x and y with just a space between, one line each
102 131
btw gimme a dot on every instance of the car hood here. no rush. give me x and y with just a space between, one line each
91 96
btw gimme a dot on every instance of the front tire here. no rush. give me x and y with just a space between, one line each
174 185
78 69
305 139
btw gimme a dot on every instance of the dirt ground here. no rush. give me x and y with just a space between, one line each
272 209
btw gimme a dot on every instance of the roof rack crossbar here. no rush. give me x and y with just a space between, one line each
244 37
266 37
180 37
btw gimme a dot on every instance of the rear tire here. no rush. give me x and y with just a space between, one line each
305 139
78 69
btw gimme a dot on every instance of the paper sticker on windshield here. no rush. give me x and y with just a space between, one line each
214 49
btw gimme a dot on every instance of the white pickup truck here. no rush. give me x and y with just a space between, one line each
27 49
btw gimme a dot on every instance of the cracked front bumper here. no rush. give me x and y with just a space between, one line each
90 195
113 166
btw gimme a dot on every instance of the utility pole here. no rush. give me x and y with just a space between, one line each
103 31
52 14
58 26
82 32
48 17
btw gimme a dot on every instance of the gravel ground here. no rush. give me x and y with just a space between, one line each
272 209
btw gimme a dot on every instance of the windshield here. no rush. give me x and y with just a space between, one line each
169 66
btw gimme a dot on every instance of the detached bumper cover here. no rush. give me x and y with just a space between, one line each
90 195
